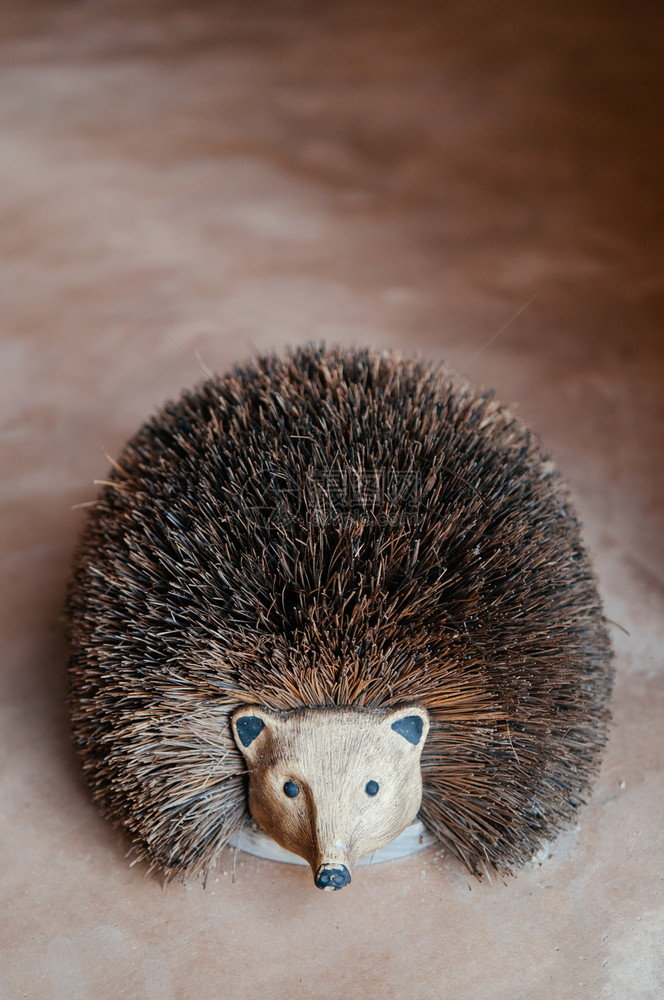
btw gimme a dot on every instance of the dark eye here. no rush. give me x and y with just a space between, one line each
291 789
371 787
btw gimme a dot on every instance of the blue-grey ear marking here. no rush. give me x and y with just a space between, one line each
248 727
410 728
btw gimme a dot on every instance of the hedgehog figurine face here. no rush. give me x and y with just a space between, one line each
332 785
322 540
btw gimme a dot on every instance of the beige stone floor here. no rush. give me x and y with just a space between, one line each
235 176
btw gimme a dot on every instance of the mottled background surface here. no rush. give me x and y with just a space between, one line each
410 175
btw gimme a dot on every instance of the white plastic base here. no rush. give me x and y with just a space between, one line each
253 840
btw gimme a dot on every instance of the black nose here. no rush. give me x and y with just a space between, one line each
332 877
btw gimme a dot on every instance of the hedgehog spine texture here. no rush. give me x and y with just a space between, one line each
336 528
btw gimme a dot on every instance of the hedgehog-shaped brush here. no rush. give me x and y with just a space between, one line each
336 589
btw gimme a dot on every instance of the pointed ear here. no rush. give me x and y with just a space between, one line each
251 727
412 723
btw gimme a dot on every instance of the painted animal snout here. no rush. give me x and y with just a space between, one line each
332 784
332 877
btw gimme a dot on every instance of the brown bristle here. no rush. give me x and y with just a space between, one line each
339 528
